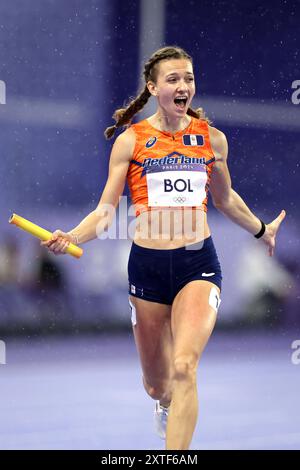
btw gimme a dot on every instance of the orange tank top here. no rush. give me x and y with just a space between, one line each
170 170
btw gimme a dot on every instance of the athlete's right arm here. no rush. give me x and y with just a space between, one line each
100 218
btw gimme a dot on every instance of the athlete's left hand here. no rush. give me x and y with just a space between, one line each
271 230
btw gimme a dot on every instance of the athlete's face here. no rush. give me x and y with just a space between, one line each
175 81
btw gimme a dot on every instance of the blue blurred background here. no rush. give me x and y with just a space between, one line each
67 65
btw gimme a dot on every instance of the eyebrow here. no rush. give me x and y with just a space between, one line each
175 73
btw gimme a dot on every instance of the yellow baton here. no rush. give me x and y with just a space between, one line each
41 233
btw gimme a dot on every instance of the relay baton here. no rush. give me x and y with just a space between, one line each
41 233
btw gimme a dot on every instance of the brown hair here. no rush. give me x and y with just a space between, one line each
123 116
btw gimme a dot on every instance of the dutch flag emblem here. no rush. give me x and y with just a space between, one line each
193 139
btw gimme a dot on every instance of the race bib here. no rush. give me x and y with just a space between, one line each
175 187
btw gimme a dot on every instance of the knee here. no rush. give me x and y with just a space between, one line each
156 390
185 369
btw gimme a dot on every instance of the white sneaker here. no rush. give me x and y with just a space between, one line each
160 419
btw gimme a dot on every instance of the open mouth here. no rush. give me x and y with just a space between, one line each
180 102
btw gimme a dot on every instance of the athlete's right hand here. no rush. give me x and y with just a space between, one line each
59 242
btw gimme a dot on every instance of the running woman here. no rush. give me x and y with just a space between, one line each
170 160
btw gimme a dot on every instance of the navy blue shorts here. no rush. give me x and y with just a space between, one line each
158 275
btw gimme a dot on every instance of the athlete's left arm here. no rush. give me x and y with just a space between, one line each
228 201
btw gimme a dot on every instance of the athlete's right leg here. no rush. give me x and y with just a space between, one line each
152 332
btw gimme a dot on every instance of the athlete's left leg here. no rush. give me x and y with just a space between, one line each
193 317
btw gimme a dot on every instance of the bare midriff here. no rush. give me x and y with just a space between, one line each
169 228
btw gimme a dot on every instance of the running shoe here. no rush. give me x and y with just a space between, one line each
160 419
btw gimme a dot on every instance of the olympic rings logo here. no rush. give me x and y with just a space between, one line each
179 199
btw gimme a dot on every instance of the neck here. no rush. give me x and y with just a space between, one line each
165 123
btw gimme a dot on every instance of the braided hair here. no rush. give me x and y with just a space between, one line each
123 116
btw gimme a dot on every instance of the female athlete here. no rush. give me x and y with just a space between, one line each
170 160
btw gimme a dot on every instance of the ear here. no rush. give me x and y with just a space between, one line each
152 88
